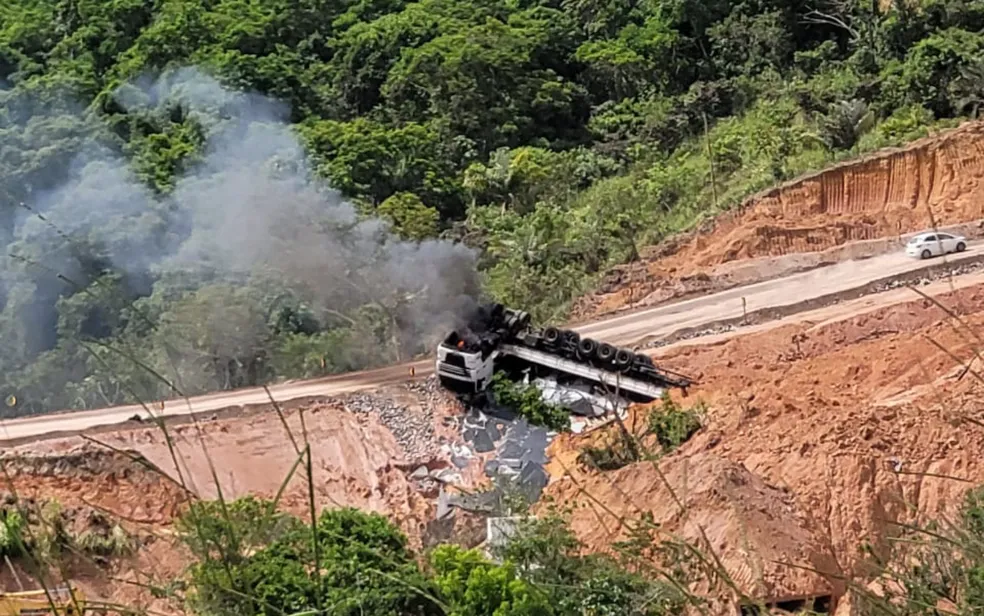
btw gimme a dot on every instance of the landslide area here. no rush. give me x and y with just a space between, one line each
98 518
853 210
820 438
368 450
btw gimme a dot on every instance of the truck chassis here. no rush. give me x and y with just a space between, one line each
501 338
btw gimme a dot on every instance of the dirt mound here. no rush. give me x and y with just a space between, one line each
852 210
103 500
364 446
863 418
863 422
124 484
756 530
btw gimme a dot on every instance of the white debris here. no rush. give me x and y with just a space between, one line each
579 398
446 475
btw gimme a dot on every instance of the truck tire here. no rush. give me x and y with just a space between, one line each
551 335
524 320
606 352
644 359
623 358
587 348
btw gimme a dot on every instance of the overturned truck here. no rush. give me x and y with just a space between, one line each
499 338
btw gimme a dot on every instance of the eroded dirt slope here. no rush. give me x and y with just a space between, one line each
364 446
810 222
368 450
715 503
864 420
95 488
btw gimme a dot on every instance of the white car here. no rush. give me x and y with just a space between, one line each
934 244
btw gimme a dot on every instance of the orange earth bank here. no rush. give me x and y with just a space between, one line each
820 436
849 211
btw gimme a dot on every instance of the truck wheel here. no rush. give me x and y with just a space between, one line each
606 352
586 348
524 320
644 359
623 358
551 335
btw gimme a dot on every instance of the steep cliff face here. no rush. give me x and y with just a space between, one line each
936 181
811 221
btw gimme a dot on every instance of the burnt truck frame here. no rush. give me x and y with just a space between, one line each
500 338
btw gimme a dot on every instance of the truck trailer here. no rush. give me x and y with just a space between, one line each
499 338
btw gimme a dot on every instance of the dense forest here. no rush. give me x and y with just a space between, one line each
200 194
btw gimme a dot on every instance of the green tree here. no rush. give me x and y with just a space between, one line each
352 563
409 216
846 123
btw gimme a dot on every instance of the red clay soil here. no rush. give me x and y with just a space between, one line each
755 529
862 420
357 462
87 481
810 221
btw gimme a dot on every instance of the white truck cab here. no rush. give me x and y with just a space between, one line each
464 367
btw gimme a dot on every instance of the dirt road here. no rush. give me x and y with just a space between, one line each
622 330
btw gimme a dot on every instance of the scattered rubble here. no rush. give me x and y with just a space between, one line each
410 418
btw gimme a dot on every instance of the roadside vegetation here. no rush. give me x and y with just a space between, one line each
366 567
666 426
43 534
527 401
556 138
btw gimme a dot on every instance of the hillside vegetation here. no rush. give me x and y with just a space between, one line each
159 234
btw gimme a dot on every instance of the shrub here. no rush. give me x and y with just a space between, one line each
528 402
611 456
673 425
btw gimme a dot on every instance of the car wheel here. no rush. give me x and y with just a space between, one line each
961 247
926 254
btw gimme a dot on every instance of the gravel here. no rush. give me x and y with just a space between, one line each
413 427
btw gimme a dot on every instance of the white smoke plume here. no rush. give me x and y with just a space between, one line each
249 208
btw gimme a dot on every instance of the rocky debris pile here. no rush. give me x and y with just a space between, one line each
931 276
430 481
407 411
429 390
413 429
688 335
517 449
85 460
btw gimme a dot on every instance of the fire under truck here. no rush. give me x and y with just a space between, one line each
499 338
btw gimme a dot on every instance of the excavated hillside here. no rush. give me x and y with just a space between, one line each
369 450
835 429
825 429
91 491
364 447
809 222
